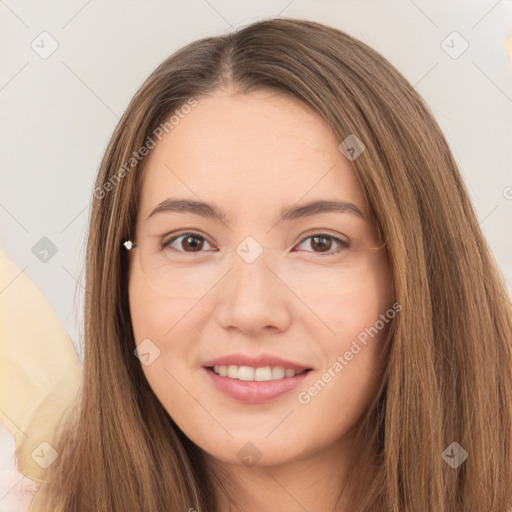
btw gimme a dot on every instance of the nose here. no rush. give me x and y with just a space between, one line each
252 298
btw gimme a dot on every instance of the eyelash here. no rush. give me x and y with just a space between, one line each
342 243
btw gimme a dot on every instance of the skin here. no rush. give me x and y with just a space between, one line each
252 155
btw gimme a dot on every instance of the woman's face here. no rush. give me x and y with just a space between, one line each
256 287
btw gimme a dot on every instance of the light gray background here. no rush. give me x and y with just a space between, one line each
57 114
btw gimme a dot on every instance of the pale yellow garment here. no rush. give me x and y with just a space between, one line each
40 371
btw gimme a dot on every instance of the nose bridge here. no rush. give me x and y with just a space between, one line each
252 297
251 273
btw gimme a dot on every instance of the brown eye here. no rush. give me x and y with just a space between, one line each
190 242
322 243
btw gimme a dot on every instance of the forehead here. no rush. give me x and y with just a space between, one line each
249 151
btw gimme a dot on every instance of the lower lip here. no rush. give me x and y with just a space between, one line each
255 392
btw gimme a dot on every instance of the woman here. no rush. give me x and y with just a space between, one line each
340 338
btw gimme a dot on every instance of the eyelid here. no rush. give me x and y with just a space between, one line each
325 232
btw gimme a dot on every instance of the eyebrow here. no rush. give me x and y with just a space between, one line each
287 214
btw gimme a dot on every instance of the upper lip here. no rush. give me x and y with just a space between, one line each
259 361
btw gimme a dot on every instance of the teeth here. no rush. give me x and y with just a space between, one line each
264 373
245 373
248 373
278 372
233 372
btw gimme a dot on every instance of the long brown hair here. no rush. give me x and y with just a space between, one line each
448 374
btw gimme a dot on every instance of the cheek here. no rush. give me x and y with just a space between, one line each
359 321
157 316
348 381
166 328
154 320
163 328
349 313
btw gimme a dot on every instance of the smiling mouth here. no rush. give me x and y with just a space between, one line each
260 374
